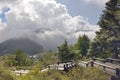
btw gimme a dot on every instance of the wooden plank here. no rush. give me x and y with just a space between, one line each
99 59
85 63
113 60
106 66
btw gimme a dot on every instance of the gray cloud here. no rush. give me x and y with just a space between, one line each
46 22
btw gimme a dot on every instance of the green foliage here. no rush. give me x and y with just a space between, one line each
65 53
5 74
77 73
19 58
82 46
80 73
107 41
49 58
26 78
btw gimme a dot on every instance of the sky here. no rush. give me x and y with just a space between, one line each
49 22
90 9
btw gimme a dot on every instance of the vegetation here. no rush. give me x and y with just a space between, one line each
69 53
107 41
19 58
49 58
82 46
65 53
76 73
5 74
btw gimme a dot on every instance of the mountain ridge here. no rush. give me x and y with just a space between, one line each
27 45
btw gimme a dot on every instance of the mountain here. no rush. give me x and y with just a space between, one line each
28 46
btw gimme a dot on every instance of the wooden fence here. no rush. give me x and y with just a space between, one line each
93 63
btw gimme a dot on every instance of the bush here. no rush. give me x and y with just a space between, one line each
77 73
5 74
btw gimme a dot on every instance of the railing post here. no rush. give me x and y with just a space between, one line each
117 72
92 64
87 64
103 67
113 78
104 61
94 59
20 74
111 61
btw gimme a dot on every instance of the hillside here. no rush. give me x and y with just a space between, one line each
25 44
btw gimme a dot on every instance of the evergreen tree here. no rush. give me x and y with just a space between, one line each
65 53
107 41
20 58
82 45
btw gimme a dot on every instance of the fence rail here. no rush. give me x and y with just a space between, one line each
113 60
104 66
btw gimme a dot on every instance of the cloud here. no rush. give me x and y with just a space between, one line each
2 25
97 2
46 22
8 3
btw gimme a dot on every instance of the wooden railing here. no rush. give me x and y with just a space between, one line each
99 59
117 70
113 60
93 63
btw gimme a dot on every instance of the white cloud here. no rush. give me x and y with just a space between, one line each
44 21
2 25
97 2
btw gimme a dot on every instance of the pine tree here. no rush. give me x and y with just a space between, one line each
107 41
65 53
82 45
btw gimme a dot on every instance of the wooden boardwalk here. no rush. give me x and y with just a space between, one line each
21 72
110 66
60 66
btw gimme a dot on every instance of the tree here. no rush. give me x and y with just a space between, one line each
107 41
19 58
65 53
82 45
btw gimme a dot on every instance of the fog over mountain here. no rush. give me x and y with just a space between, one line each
25 44
46 22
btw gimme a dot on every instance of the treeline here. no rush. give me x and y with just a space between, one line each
19 58
67 52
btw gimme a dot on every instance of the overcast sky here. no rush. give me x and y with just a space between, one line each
49 22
